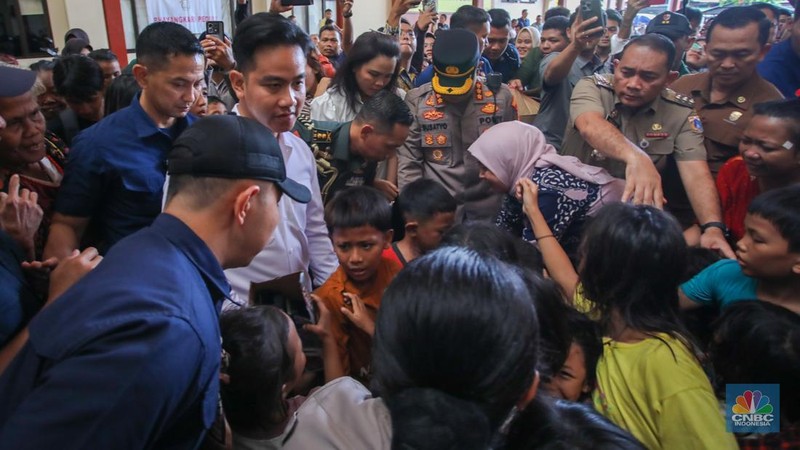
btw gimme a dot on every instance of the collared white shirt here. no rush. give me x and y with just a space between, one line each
332 106
300 241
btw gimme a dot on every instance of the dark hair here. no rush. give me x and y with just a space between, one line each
586 334
759 342
563 425
551 309
328 10
367 47
161 40
383 111
786 109
430 35
740 17
265 30
485 238
214 99
43 65
120 93
632 262
781 207
499 18
558 11
329 28
656 42
358 206
693 13
420 200
103 54
259 364
559 23
463 325
612 14
77 78
467 16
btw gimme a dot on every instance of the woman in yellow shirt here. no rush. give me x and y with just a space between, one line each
648 378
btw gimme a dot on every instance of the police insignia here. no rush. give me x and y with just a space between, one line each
735 116
438 155
429 101
441 139
428 139
489 108
695 123
432 114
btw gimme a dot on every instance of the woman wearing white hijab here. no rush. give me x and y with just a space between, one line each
568 189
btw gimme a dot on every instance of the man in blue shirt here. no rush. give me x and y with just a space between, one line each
129 357
781 66
114 175
475 20
502 54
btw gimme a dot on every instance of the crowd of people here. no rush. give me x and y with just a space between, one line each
278 239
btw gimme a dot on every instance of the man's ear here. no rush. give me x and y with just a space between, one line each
529 395
796 266
672 76
140 73
387 239
411 227
237 82
365 131
243 202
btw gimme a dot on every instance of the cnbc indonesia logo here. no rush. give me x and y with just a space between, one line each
753 408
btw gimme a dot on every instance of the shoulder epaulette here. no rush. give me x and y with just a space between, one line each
680 99
604 80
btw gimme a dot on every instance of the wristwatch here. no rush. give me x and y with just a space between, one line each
719 225
347 15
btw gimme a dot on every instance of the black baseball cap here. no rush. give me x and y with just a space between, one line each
15 81
229 146
671 24
455 58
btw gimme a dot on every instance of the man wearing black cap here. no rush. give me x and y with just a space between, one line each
26 148
130 356
450 113
676 27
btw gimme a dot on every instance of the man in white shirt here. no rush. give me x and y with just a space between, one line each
269 81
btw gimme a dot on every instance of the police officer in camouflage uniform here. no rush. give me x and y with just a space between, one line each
630 124
347 154
450 113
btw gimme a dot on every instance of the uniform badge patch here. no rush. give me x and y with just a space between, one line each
695 123
441 139
489 108
735 116
432 114
428 139
437 155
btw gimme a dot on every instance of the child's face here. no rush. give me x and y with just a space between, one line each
295 348
217 109
763 148
570 382
763 252
428 233
359 250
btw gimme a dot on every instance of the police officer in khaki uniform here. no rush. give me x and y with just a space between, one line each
347 154
724 96
450 113
630 124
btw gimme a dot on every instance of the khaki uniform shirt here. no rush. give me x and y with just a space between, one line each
668 130
436 147
668 126
723 122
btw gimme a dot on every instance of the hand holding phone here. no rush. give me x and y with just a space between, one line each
216 28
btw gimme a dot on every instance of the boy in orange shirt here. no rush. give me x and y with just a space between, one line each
359 220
